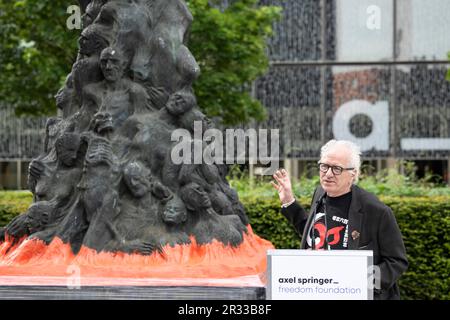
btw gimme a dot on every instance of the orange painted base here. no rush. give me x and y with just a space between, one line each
189 264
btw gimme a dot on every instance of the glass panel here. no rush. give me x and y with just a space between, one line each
297 34
360 108
423 29
423 111
364 30
292 98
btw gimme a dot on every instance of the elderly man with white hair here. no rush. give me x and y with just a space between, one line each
346 216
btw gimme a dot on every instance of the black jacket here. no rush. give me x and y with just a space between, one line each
376 229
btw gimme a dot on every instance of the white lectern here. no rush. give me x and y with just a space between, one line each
319 275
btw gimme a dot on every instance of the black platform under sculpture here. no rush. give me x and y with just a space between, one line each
106 180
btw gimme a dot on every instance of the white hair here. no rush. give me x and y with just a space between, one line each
354 153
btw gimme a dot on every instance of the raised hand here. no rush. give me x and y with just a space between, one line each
283 186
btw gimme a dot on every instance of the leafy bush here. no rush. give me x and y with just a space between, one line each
13 203
425 226
385 182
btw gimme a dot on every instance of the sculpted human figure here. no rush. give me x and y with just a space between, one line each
188 120
56 182
101 125
44 165
196 199
143 187
175 212
181 102
137 246
67 149
210 225
138 210
86 69
66 99
116 94
38 216
170 225
53 186
54 127
36 170
137 205
99 174
178 104
106 179
92 11
98 190
140 72
173 66
174 216
137 178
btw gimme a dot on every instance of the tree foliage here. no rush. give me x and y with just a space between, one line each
230 48
37 51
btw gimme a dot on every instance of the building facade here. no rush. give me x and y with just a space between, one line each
368 71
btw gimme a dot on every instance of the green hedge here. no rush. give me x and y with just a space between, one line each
13 203
424 222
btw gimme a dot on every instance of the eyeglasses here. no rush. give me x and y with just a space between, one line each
337 170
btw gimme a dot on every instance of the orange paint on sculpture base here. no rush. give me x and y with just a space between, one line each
193 264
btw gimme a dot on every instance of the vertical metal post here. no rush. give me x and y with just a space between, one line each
393 99
379 166
19 131
291 166
251 174
448 171
322 71
19 174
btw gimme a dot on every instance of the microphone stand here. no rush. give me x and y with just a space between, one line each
318 202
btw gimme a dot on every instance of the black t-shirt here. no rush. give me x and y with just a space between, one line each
335 227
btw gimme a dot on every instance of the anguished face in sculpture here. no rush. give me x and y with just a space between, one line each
91 42
137 179
195 197
91 13
64 94
67 148
102 121
188 120
175 212
181 102
38 215
113 64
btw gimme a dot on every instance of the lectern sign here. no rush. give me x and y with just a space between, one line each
319 275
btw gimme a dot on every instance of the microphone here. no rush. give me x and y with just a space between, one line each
318 202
